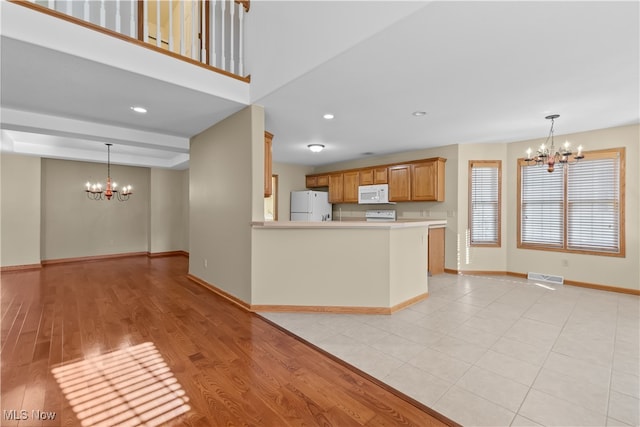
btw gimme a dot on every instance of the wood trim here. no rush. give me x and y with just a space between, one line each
451 271
235 300
365 375
320 309
89 25
245 3
566 282
486 163
168 253
24 267
409 302
92 258
594 154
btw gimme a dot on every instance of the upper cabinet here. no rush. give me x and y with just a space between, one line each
268 164
412 181
399 183
427 181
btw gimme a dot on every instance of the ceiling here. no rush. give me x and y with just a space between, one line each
482 71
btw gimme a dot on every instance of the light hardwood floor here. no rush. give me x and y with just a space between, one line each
134 342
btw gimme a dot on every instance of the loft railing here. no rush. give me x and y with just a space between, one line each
208 31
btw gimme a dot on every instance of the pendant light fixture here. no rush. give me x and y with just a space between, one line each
547 154
96 191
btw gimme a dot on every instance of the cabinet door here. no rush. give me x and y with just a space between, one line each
365 177
323 180
428 181
268 143
311 181
436 251
350 194
380 176
399 183
336 188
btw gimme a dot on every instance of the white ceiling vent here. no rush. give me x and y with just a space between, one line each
558 280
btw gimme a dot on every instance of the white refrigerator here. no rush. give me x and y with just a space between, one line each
310 206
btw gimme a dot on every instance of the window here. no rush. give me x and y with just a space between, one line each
484 202
579 208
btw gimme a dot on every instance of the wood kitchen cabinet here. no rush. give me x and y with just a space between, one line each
435 260
315 181
350 187
372 176
399 183
268 164
365 177
427 181
380 175
336 188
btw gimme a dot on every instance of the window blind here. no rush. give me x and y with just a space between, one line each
542 206
484 209
593 203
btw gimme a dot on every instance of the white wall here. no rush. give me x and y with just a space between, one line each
19 210
473 258
226 194
290 178
602 270
74 226
169 210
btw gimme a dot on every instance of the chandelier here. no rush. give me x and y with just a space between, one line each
548 155
96 192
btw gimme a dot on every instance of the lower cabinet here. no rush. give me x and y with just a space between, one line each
435 260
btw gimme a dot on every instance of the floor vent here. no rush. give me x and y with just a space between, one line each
558 280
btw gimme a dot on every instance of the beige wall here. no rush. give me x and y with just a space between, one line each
226 194
169 213
19 210
74 226
290 178
603 270
413 210
477 258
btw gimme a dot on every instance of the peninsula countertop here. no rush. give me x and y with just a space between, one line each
350 224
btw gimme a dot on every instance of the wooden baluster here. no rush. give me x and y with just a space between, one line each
212 44
223 14
132 20
203 36
118 17
158 32
171 25
232 62
240 41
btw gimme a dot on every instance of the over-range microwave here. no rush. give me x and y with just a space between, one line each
373 194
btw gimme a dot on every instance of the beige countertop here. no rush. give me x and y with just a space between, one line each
435 223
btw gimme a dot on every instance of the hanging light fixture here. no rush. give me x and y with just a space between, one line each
547 154
96 191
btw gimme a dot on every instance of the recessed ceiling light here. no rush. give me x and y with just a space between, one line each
419 113
316 148
139 109
328 116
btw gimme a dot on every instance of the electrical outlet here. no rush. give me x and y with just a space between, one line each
205 263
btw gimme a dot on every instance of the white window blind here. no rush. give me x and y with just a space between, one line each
593 203
576 208
542 208
484 209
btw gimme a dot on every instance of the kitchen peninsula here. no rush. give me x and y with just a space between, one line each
346 267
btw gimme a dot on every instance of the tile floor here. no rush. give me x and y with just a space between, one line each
498 351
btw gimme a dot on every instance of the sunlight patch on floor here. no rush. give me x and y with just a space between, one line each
128 387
